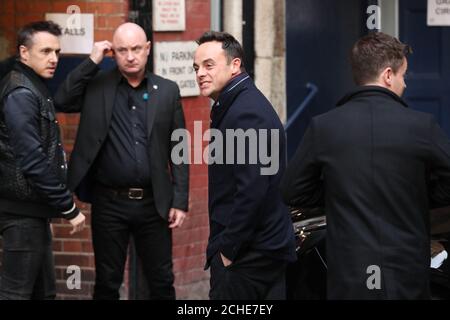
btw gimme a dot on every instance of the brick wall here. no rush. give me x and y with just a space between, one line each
189 241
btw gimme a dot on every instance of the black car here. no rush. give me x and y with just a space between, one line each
306 278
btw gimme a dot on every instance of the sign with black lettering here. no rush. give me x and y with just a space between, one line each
173 60
438 13
77 31
169 15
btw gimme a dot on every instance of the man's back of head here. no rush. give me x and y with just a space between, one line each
380 59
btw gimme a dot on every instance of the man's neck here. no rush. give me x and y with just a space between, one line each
135 80
229 81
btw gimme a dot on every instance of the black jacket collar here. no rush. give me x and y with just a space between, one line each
35 79
226 98
371 90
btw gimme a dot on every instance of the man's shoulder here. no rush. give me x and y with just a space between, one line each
253 107
104 75
253 99
15 82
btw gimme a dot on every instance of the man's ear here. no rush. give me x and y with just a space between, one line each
24 53
236 65
387 76
148 47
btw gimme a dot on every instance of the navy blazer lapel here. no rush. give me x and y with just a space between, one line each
152 102
109 94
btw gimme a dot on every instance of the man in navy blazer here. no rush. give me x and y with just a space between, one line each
251 235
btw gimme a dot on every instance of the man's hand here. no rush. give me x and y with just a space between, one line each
176 217
99 50
226 262
78 223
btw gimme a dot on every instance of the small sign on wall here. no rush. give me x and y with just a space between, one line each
77 31
438 13
169 15
173 60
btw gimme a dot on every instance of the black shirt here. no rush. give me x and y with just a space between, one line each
123 160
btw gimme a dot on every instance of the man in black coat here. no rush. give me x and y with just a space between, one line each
121 161
369 162
33 187
251 234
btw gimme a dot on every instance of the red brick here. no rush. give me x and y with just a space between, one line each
101 35
57 245
193 222
8 25
100 21
23 19
198 206
87 246
190 236
106 7
191 249
72 259
198 181
189 263
27 7
199 193
72 246
191 276
113 22
7 7
69 132
61 6
198 169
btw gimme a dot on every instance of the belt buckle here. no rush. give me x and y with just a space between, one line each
136 194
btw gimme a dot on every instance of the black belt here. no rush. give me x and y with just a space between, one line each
130 193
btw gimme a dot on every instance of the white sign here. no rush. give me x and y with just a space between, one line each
438 13
77 31
173 60
169 15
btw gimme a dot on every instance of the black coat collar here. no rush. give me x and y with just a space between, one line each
371 90
35 79
227 97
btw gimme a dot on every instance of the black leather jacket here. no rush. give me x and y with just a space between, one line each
32 160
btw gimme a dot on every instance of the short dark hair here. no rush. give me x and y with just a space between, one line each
230 45
373 53
25 34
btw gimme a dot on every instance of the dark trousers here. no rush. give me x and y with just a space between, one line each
114 220
27 270
252 276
